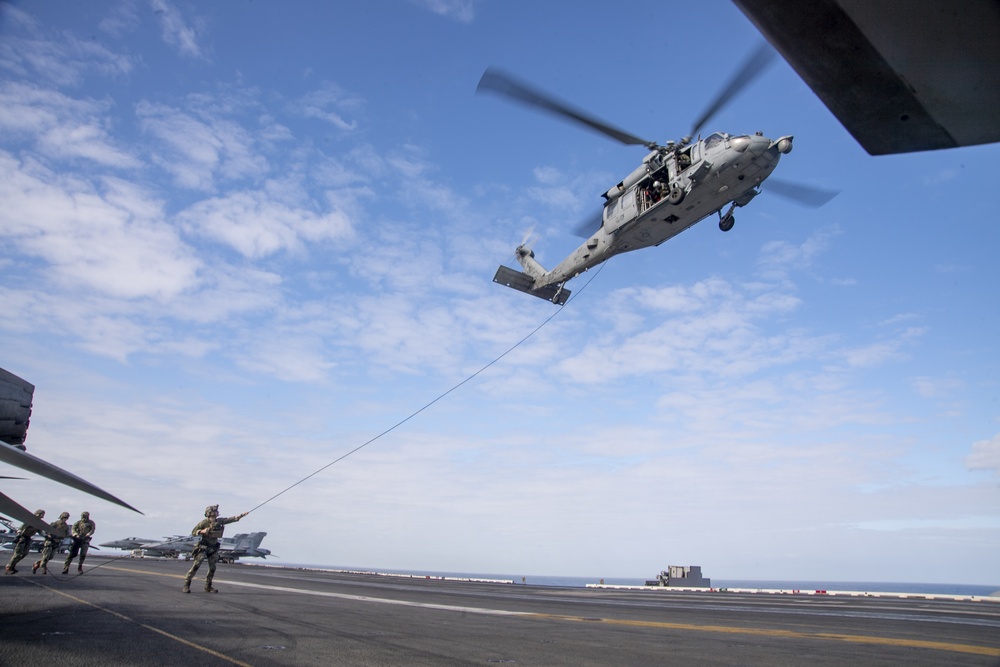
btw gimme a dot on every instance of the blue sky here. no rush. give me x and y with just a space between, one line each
239 240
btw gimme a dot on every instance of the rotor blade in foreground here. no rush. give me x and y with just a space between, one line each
10 508
25 461
498 82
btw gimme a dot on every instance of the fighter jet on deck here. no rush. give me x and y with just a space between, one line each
8 534
231 549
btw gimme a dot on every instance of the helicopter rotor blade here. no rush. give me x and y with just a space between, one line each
800 194
589 226
498 82
530 237
752 67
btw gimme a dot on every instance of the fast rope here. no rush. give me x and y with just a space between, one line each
417 412
108 560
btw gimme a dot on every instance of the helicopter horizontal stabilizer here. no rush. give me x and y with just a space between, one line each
522 282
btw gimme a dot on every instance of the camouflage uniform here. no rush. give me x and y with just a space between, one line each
83 530
22 542
59 532
210 529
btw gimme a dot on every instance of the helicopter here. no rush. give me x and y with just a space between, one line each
677 185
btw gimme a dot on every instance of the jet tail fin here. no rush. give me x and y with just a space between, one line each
522 282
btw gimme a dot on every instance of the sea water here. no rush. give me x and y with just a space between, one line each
802 585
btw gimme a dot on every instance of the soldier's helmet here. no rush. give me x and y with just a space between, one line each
85 515
39 513
64 515
212 510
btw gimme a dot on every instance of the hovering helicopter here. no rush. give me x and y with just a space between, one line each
676 186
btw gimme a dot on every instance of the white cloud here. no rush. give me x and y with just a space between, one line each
62 59
59 126
462 11
936 387
710 327
985 455
121 19
177 32
875 354
198 152
257 226
109 237
289 354
328 104
777 258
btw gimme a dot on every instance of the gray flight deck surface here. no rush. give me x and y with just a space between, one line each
132 612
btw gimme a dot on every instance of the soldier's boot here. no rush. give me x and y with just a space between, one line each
209 589
34 568
187 586
66 570
9 570
45 569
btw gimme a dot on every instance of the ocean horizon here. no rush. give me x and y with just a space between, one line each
979 590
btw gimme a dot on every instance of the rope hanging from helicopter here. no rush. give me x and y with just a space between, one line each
438 398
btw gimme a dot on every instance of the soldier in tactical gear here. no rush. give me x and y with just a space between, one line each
83 530
22 542
210 529
59 532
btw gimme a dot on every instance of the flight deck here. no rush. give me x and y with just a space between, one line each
132 612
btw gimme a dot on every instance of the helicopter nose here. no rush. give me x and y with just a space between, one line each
784 145
759 145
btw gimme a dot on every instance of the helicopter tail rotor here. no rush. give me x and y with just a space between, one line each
530 238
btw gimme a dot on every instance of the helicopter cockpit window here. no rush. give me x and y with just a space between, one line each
713 140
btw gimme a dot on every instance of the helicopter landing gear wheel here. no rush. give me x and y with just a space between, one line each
676 195
726 222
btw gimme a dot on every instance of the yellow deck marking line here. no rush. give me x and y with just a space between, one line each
759 632
186 642
792 634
